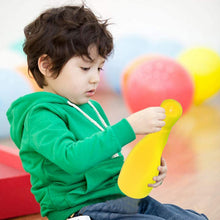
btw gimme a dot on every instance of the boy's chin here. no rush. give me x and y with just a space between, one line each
79 102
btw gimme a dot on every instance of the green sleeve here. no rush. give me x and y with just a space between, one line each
49 136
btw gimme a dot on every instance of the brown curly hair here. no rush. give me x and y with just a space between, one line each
62 33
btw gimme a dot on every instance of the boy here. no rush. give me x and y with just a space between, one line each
65 140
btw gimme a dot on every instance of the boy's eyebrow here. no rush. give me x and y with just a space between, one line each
102 62
91 61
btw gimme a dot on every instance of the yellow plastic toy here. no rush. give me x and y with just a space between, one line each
203 65
141 164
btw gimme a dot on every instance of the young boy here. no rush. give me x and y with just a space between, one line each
66 142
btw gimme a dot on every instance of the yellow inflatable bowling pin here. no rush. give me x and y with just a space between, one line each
143 161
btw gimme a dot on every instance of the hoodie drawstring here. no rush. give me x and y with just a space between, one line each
88 117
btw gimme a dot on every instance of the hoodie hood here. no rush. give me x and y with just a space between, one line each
19 109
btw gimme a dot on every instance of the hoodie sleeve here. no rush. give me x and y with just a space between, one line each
49 136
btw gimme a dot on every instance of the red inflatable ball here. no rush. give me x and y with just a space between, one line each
150 80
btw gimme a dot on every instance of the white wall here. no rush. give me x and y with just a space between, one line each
192 22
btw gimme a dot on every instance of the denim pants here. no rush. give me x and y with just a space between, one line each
134 209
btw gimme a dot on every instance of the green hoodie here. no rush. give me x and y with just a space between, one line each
70 160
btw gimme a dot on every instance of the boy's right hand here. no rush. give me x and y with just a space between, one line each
148 120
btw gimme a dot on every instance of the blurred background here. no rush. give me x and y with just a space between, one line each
163 49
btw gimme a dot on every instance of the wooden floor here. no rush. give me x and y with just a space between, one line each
192 155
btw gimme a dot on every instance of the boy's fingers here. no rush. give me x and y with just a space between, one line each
161 123
163 162
159 178
162 116
162 169
155 184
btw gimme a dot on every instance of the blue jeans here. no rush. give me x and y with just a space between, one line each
134 209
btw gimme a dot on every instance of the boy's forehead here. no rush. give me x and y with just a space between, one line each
93 55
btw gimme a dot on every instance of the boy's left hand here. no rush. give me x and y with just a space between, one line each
162 174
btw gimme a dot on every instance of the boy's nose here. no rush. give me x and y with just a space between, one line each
95 78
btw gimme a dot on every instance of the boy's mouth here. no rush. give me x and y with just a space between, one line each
91 92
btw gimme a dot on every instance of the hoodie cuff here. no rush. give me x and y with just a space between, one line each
124 132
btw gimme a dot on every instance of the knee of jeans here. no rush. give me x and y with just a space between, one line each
148 205
143 205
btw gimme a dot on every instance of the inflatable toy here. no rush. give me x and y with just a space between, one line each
24 71
141 164
126 49
129 70
17 46
150 80
204 66
13 86
165 47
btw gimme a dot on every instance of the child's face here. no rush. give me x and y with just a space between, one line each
78 79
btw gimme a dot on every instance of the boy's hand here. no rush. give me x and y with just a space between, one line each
148 120
162 174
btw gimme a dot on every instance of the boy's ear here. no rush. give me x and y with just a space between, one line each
44 64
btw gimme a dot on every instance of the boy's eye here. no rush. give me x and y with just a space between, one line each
100 69
85 68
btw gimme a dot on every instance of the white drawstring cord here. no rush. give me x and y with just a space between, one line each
92 120
88 117
100 117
